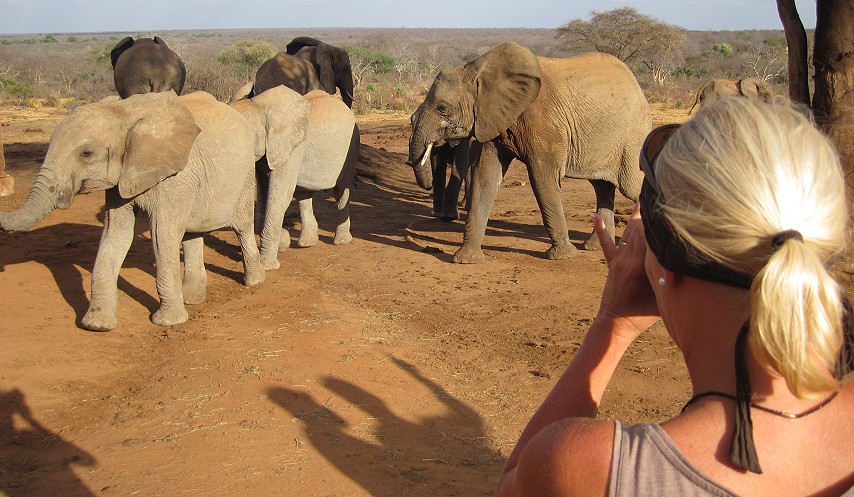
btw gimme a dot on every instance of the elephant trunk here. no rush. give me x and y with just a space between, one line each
424 169
44 197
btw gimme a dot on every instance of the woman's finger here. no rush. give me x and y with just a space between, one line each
609 249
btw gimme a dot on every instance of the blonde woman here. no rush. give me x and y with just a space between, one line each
739 217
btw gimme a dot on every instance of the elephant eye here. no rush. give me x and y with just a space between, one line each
442 107
87 153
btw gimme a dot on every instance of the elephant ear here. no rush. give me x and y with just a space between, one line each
325 62
158 142
119 49
287 115
508 80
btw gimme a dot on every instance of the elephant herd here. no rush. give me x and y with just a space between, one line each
194 164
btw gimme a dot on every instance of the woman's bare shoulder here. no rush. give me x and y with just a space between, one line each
575 453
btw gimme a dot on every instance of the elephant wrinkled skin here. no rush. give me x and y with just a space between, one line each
185 161
579 117
146 65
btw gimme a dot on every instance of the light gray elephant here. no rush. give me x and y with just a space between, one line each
146 65
310 143
747 87
186 161
579 117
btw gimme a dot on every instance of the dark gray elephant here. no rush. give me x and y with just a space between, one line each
580 117
145 66
454 157
747 87
332 65
294 72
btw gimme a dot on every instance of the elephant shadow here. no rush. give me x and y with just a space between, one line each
64 249
385 184
403 457
35 460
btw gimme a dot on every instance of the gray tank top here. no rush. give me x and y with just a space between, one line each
646 462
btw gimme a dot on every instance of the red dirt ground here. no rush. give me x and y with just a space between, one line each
376 368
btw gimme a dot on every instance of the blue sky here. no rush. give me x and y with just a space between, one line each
72 16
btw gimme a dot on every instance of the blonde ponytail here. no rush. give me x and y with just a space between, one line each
796 312
736 176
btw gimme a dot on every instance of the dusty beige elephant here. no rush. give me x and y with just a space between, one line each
746 87
188 162
7 183
309 143
580 117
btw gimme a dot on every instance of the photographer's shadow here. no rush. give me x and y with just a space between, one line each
35 460
422 458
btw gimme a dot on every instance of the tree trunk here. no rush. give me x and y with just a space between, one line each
833 59
796 39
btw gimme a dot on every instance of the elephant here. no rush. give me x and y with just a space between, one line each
304 144
747 87
331 63
187 162
578 117
7 183
455 155
296 73
146 65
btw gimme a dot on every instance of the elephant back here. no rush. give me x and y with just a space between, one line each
330 131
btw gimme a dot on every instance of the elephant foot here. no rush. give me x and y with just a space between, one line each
170 316
466 255
561 251
285 240
307 241
342 237
193 295
97 320
592 243
270 263
449 217
254 277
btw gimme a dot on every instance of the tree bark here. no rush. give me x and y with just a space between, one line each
796 39
833 59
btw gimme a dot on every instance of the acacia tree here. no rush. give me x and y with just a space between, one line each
630 36
833 62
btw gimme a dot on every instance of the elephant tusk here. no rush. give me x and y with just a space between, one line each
426 154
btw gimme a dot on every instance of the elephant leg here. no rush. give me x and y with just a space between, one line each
342 230
308 234
195 277
440 168
459 168
486 179
244 224
166 235
605 191
116 239
275 238
262 180
545 181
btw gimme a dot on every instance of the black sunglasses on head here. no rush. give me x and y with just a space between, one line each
650 149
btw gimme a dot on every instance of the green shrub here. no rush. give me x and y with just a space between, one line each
248 54
382 63
722 49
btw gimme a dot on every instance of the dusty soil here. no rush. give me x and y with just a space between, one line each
376 368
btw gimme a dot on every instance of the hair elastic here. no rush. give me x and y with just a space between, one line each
781 237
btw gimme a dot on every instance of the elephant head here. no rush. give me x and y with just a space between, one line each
479 100
146 65
331 63
130 144
755 88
